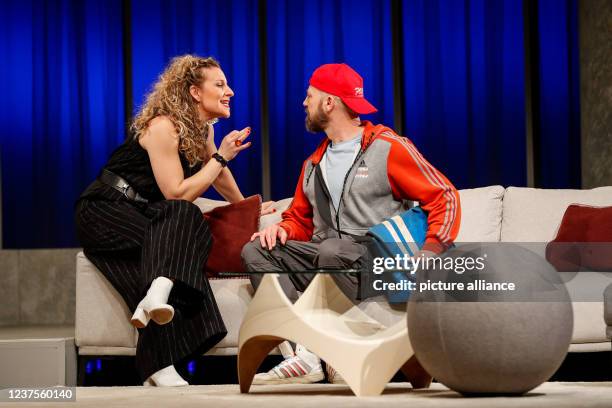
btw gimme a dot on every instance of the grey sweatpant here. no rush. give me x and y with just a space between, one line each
300 256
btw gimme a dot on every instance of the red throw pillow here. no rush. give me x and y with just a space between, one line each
584 240
231 226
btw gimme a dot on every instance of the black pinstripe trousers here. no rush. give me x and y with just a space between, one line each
133 243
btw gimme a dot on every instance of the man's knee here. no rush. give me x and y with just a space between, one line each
327 256
338 253
252 253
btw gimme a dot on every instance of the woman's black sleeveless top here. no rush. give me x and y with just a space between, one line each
131 162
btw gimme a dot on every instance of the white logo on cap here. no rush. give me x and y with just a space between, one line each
358 91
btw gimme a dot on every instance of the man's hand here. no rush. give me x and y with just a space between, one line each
268 235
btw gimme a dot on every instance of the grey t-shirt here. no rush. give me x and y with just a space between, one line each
338 160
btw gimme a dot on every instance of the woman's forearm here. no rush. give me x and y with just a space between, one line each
193 187
226 185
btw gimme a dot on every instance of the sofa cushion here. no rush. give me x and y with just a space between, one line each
232 227
584 240
481 214
589 325
276 216
206 204
534 215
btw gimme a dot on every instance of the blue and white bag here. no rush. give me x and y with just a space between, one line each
401 234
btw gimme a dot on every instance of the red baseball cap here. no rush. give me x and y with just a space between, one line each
345 83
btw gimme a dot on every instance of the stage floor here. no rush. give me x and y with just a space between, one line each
552 394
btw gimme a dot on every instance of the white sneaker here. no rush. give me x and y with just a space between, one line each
293 370
154 306
333 376
166 377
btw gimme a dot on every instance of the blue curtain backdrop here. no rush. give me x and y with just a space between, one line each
463 75
464 88
61 111
559 88
224 29
301 35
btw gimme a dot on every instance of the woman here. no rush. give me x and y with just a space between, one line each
138 224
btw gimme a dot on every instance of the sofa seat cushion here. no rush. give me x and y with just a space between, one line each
534 215
481 214
232 227
608 306
589 324
206 204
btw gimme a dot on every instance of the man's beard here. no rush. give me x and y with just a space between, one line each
318 122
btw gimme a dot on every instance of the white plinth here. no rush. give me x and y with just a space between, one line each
37 357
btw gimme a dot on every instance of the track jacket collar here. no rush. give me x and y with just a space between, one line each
370 133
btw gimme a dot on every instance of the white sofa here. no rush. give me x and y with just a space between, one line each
490 214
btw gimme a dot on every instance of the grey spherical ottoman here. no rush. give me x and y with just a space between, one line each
486 341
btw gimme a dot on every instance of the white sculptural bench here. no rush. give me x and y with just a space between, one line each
364 351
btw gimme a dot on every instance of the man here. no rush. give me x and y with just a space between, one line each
359 175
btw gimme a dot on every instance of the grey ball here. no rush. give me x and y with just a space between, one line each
492 342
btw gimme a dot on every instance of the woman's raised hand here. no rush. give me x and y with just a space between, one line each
232 143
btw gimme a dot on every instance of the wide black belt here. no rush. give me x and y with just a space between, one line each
111 179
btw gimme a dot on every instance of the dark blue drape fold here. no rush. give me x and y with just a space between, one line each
62 111
301 35
462 88
559 87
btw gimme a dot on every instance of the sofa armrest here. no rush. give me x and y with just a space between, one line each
102 317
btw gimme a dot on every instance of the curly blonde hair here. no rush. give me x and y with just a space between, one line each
171 97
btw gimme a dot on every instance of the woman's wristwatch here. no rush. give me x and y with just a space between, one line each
220 159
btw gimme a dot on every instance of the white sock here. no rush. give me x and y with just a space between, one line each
310 358
167 377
